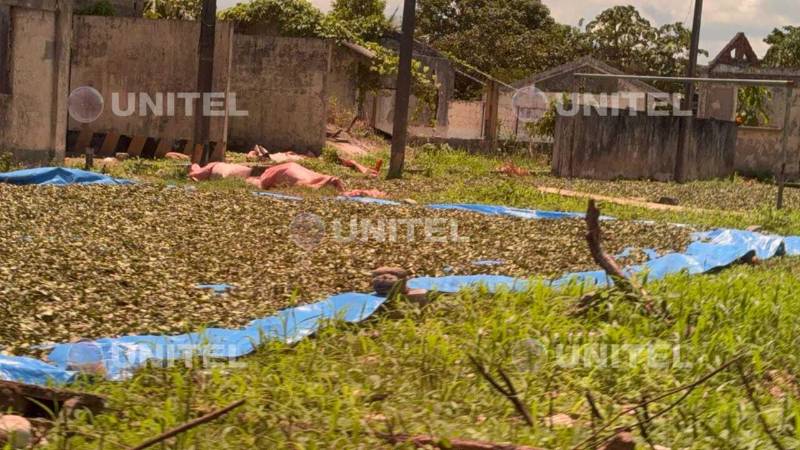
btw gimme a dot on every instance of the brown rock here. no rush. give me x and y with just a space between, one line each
668 201
385 270
622 441
384 283
754 228
418 296
121 156
410 201
177 156
15 430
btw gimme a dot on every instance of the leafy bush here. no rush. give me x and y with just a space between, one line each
99 8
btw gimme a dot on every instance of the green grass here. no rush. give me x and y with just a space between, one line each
408 371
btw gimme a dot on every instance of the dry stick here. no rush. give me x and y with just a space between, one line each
687 387
606 262
189 425
752 397
510 392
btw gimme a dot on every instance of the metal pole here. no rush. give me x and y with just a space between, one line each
403 91
205 73
787 120
694 49
688 101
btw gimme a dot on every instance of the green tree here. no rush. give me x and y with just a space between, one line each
510 39
99 8
753 106
364 18
295 18
620 36
172 9
784 50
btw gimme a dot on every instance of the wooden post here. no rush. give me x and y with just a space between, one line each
688 101
205 73
89 163
402 93
787 120
491 115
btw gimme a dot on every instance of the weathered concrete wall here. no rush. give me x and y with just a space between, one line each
640 147
33 115
758 149
126 55
465 120
342 72
281 83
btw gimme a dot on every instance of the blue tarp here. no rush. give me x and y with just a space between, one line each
121 356
497 210
58 176
373 200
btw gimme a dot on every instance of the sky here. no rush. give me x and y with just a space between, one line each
722 19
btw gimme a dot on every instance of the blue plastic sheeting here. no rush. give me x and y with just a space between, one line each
792 245
488 262
497 210
277 195
32 371
454 283
122 356
219 288
370 200
59 176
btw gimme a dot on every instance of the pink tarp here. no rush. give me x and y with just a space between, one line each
282 175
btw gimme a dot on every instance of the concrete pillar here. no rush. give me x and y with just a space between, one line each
61 60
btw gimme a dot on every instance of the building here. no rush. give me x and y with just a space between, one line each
759 145
34 78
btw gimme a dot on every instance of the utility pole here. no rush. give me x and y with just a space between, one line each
402 92
205 74
689 91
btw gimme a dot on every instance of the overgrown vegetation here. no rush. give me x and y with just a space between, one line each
409 372
752 106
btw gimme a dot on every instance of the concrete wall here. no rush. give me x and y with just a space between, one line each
281 82
125 55
342 86
640 147
33 115
465 120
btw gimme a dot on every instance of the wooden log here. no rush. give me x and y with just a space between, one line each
28 400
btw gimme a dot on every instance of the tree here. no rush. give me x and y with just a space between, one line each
620 36
509 39
364 18
784 50
295 18
173 9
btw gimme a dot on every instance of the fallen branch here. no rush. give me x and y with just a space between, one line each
607 263
688 388
510 392
189 425
32 401
424 441
752 397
